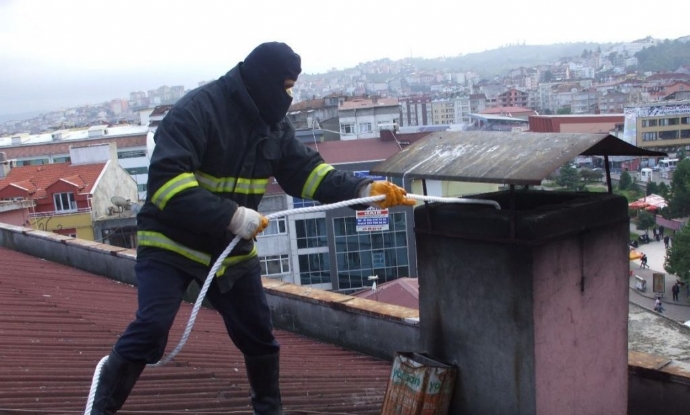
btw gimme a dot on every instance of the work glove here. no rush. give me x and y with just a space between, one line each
247 223
395 195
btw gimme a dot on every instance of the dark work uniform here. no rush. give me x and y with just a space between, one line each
213 152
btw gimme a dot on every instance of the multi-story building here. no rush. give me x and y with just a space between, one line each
612 102
416 111
327 249
54 147
661 126
364 118
513 98
442 111
68 197
477 103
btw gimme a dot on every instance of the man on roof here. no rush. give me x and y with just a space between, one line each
214 154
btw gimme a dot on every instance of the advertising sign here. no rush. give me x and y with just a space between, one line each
372 220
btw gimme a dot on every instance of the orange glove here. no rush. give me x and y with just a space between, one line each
247 223
395 195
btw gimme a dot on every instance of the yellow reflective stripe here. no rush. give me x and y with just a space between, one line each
231 184
158 240
234 260
314 180
173 187
251 186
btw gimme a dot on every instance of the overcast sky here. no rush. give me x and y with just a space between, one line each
61 53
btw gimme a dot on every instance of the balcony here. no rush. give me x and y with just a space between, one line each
59 213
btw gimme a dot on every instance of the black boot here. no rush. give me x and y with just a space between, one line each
263 378
116 380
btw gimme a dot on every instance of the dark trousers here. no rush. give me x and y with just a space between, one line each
160 289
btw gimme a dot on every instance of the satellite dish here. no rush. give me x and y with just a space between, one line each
120 202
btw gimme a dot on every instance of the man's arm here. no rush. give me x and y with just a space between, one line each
172 185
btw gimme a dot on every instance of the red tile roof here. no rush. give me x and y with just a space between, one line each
57 322
356 151
402 291
36 179
368 103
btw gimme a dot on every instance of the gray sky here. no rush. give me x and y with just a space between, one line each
61 53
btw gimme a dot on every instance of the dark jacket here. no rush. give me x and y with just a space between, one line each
213 153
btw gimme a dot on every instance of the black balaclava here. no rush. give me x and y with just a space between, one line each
264 72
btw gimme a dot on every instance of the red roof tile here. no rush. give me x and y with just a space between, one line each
57 322
402 291
38 178
354 151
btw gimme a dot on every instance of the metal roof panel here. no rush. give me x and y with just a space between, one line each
499 157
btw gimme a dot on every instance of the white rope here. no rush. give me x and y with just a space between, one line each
231 246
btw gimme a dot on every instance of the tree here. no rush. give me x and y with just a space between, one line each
662 190
591 176
645 220
625 181
652 188
678 255
679 202
569 177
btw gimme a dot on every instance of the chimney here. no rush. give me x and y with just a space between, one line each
4 165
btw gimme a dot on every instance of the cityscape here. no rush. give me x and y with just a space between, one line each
570 85
543 292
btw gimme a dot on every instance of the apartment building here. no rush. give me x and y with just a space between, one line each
54 147
513 98
661 126
364 118
67 197
416 111
450 111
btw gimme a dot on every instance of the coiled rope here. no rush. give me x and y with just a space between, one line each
231 246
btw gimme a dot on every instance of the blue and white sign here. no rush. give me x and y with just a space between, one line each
372 220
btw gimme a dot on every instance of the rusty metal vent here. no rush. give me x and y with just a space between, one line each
499 157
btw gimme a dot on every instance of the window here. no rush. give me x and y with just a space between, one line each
649 123
311 233
61 159
137 170
142 187
685 120
673 121
649 136
277 226
347 128
131 154
360 255
275 264
365 127
668 135
64 202
34 162
300 203
684 133
314 269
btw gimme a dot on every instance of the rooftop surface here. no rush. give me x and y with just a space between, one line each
57 322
